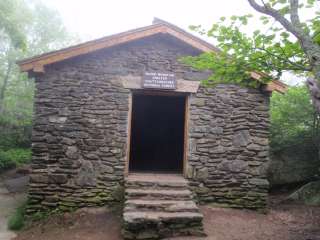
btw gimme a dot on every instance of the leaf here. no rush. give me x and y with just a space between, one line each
242 53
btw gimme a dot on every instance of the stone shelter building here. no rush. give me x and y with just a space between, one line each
123 113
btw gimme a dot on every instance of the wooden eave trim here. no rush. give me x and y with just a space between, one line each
274 85
36 63
191 41
57 56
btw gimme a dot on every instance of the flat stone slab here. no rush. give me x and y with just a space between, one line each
136 217
156 178
159 205
162 194
8 204
19 184
164 205
3 189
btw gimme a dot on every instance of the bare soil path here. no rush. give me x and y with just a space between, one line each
12 195
283 221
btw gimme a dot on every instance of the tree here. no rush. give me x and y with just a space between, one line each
27 27
288 44
13 17
294 137
308 36
12 14
294 121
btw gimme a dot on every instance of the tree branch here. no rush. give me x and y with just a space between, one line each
294 16
265 9
285 59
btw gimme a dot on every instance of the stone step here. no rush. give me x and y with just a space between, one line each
148 194
170 181
139 217
156 178
161 205
158 206
156 225
160 185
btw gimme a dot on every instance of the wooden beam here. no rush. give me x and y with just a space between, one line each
274 85
127 160
37 64
186 137
91 46
38 69
57 56
191 41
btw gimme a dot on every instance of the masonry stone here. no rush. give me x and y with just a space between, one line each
241 138
80 131
238 129
202 173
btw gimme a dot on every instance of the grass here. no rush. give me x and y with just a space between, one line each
14 157
17 220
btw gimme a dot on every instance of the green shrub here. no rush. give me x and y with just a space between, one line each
14 157
15 133
294 122
17 220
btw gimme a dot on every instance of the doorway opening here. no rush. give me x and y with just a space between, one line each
157 133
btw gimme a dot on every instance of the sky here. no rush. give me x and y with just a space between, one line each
91 19
97 18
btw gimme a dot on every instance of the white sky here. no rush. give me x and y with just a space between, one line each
97 18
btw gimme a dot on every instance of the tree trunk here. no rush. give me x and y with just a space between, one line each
313 83
314 89
4 87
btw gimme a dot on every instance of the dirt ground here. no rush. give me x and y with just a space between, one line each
283 221
12 195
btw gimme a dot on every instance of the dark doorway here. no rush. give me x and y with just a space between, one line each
157 133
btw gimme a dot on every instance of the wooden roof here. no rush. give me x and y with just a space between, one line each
37 63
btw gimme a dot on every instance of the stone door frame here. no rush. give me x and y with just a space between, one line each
186 124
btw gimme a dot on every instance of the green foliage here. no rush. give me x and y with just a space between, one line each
271 50
21 219
27 28
14 157
17 220
12 14
294 122
242 49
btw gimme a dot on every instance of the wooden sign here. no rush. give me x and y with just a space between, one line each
157 80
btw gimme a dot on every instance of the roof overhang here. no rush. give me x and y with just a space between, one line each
37 64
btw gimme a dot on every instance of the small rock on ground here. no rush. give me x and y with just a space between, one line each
10 199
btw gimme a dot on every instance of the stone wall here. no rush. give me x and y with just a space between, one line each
79 139
81 116
228 155
80 130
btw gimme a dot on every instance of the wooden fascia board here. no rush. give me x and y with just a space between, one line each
36 62
193 42
274 85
